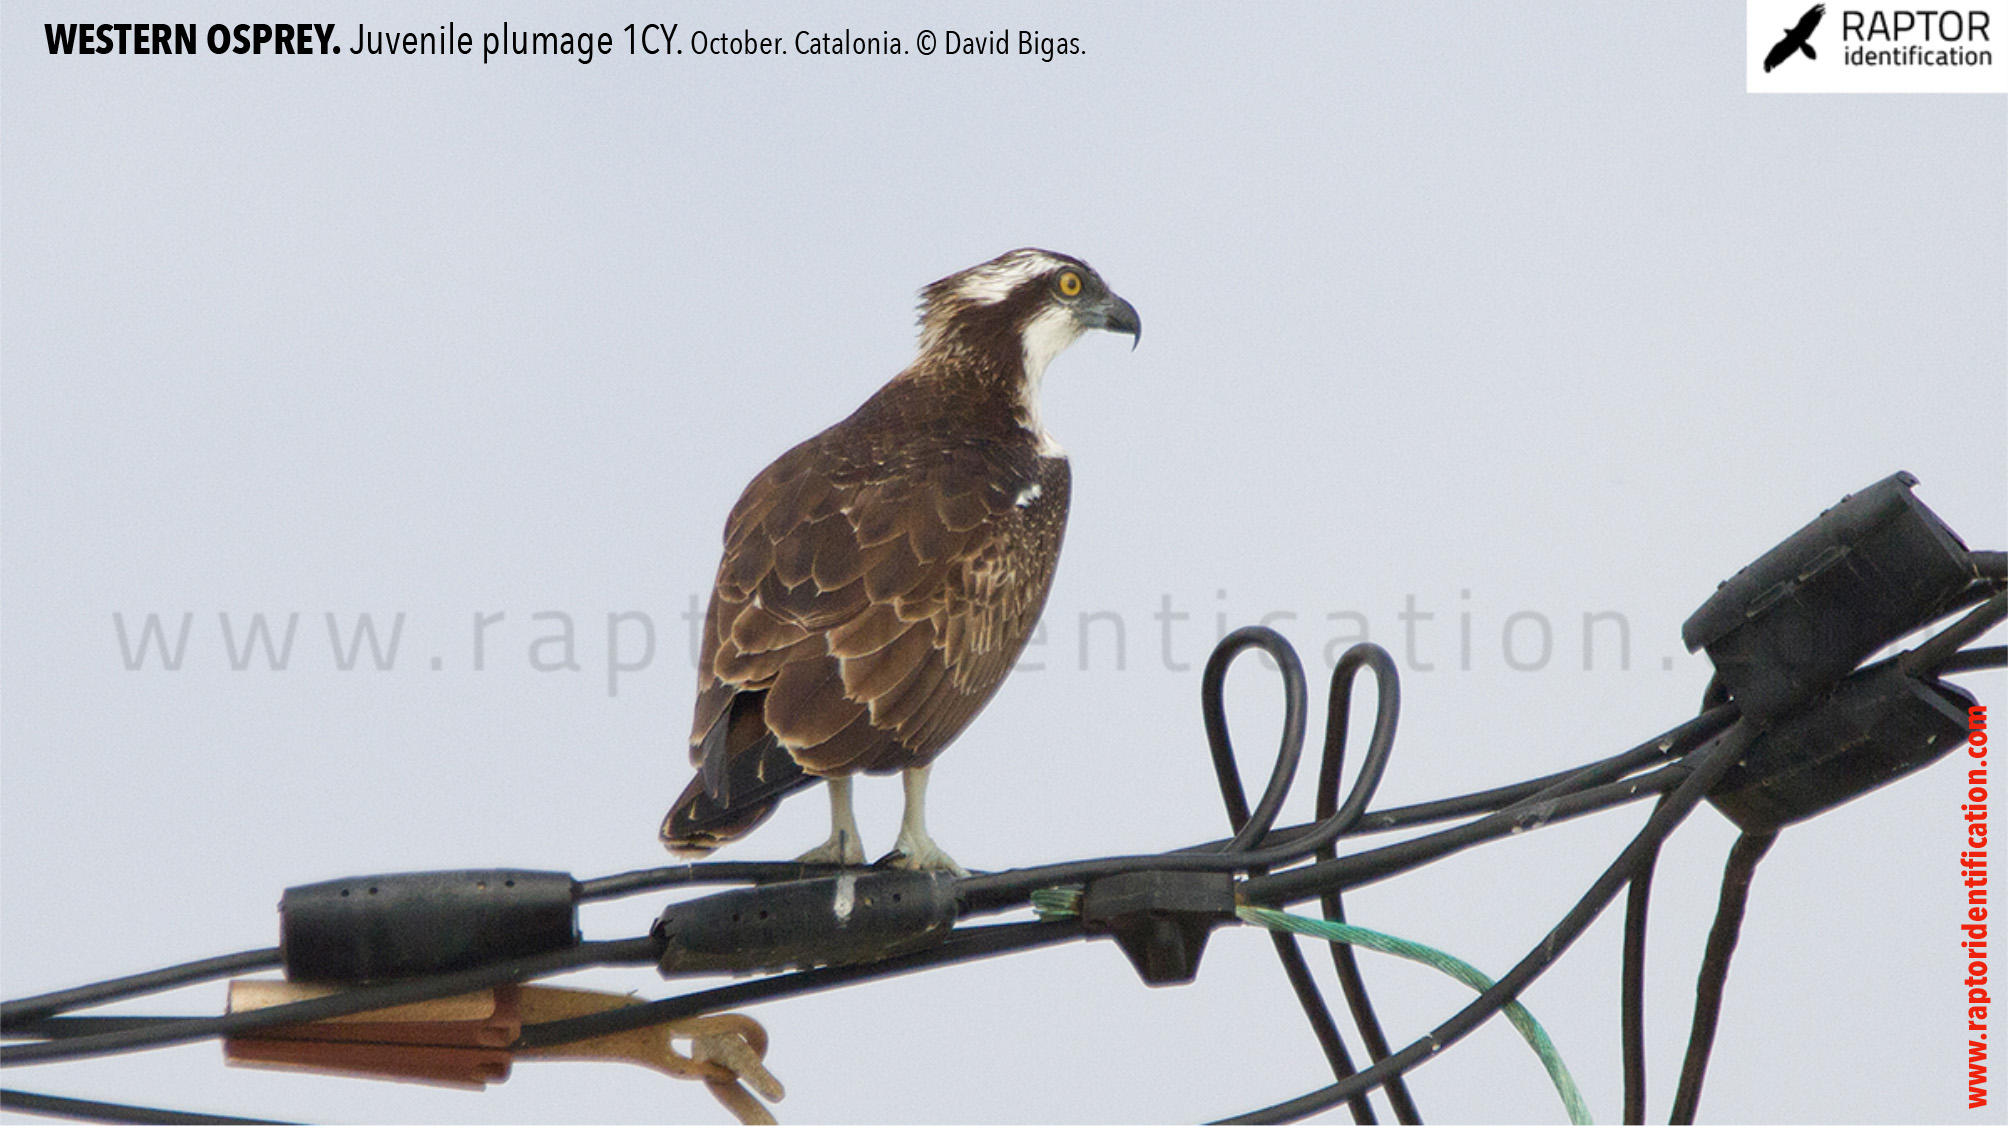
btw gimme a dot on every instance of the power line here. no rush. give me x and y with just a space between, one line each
1829 730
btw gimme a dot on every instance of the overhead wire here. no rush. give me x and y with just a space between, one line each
1338 715
1737 875
114 1113
1631 987
13 1013
1678 768
639 950
1249 828
1711 763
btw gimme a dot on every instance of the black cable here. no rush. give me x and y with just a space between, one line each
80 1109
184 1030
1338 715
1012 887
1930 656
1006 889
1249 829
73 1026
1571 796
1631 1004
1631 1007
1974 658
699 874
1338 718
964 944
1561 795
1323 1027
16 1012
1256 845
1708 765
639 950
983 890
1736 877
1353 984
1667 746
1367 867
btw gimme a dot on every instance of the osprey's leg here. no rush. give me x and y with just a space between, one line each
843 847
914 849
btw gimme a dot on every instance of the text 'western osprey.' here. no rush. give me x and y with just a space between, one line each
880 579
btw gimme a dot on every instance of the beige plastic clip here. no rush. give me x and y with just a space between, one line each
727 1051
467 1041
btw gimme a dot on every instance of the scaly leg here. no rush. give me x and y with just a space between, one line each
914 849
843 847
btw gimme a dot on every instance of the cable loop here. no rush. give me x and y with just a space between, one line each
1249 830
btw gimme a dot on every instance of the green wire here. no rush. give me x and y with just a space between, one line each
1057 902
1572 1098
1065 901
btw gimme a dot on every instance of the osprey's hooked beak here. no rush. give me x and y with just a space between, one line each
1116 315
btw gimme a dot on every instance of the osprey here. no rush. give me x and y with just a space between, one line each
880 579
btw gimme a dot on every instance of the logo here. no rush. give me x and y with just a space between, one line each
1852 47
1797 38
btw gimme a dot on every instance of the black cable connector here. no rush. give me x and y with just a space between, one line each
856 917
1793 623
1881 724
1160 918
396 926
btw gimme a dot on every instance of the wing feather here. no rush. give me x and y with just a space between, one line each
794 556
755 630
875 511
873 628
743 670
813 609
962 512
839 558
806 705
891 569
895 709
870 677
853 744
867 607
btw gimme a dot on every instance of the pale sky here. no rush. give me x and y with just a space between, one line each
1454 314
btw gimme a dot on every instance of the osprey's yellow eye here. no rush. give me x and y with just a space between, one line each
1070 285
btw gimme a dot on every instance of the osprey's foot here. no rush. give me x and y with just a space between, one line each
840 849
921 855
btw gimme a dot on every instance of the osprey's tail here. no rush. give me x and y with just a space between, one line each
744 773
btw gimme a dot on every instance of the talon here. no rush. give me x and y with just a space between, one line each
915 849
929 858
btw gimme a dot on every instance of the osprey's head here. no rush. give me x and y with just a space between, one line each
1028 304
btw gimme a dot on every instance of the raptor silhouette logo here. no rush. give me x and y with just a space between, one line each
1798 38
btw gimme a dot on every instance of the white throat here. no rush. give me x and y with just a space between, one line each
1046 336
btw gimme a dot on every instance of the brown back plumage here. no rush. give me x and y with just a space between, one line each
880 579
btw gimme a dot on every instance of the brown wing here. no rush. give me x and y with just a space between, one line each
869 606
